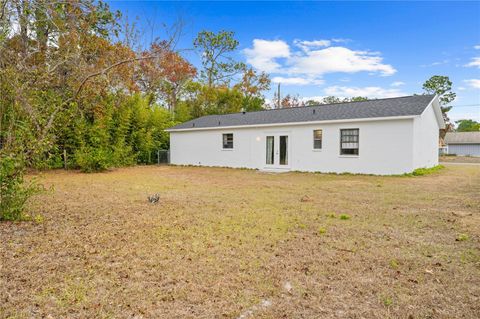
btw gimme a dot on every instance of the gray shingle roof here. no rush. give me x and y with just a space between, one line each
399 106
462 138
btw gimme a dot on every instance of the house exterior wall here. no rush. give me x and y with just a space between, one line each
464 149
385 147
425 139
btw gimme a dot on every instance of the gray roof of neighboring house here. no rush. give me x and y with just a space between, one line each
462 138
389 107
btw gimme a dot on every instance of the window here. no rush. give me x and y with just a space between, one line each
228 141
317 139
349 141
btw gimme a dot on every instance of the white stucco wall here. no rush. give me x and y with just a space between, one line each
386 147
425 139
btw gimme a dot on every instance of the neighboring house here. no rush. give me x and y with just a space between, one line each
463 143
384 136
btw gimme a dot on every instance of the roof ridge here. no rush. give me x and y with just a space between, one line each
330 104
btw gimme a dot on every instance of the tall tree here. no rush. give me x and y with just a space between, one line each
165 76
218 65
252 83
442 86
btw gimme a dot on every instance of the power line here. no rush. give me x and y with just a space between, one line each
466 105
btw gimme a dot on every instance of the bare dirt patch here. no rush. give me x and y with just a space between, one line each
224 243
459 159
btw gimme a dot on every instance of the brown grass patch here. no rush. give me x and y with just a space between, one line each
224 242
460 159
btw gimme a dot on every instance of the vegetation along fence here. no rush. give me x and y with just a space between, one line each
163 157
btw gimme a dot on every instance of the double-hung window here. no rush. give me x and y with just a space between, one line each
227 141
317 139
349 141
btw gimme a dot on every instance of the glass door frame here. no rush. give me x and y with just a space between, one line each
276 136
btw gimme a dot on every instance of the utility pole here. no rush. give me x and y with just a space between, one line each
278 96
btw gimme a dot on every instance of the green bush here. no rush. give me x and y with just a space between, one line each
426 171
14 191
90 159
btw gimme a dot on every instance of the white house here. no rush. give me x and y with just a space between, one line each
383 136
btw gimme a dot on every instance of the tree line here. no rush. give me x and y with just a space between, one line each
73 88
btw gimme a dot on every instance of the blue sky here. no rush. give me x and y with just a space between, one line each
315 49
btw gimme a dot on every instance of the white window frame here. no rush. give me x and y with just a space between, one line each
321 140
357 142
223 142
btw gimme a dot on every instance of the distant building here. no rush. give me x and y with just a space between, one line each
463 143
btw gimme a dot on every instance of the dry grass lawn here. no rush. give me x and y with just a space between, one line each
225 243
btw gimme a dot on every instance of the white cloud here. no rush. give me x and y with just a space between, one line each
307 45
340 40
474 83
475 62
435 63
264 53
313 60
338 59
369 91
477 47
296 80
397 83
461 88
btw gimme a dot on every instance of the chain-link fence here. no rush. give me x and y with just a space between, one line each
163 156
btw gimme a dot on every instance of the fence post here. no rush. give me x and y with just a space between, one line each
158 157
65 159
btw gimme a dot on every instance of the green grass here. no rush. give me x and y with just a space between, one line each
425 171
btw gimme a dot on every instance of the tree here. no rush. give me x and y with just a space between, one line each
64 87
468 126
291 101
442 86
252 83
165 76
218 66
312 103
358 99
331 100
